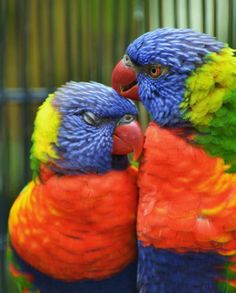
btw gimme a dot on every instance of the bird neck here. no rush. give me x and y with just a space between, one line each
118 162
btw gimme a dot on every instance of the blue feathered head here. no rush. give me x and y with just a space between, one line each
156 66
85 128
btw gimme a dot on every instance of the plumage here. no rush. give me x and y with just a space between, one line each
186 213
72 228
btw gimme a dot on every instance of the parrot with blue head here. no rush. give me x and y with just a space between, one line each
186 220
72 228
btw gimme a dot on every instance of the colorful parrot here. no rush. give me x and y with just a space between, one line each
187 206
72 228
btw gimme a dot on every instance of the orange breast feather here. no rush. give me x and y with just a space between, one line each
77 227
187 200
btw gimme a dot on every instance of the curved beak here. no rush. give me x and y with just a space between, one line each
124 81
128 138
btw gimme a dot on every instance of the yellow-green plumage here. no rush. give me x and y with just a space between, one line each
44 137
210 105
208 87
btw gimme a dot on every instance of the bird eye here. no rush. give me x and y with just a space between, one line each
126 119
154 71
126 58
127 61
90 118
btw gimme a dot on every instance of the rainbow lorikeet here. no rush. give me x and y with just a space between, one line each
187 206
72 228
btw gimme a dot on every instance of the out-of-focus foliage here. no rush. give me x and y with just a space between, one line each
50 42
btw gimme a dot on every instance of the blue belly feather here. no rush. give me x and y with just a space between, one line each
123 282
165 271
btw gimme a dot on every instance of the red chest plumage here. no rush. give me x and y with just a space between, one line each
187 201
77 227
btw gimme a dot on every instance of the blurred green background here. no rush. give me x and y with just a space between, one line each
44 43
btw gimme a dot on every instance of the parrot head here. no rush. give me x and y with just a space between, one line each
85 127
179 75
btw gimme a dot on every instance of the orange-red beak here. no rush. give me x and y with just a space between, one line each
128 138
124 81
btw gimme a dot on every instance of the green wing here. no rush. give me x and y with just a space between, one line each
219 138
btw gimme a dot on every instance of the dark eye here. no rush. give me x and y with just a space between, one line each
154 71
127 61
128 118
126 58
90 118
